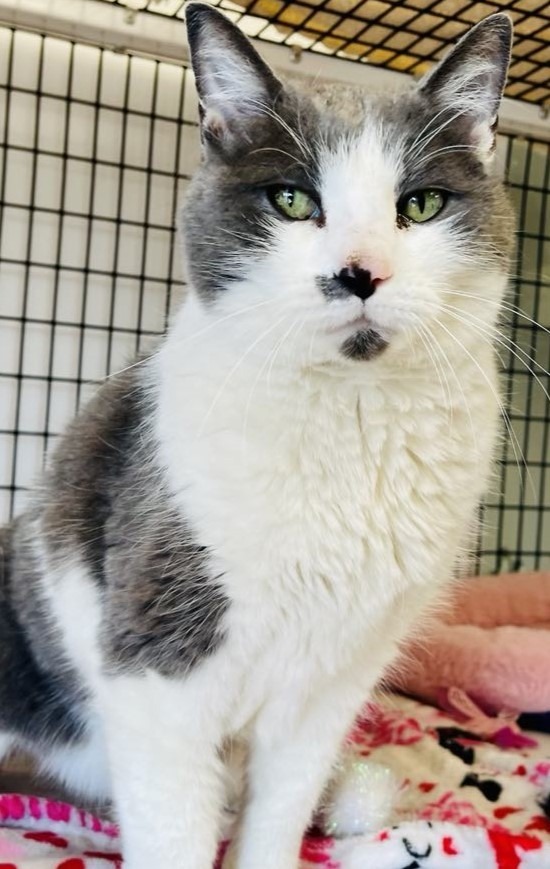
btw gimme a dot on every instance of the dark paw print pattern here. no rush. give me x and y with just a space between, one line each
450 738
490 788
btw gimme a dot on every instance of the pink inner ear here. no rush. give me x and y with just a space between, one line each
484 138
214 123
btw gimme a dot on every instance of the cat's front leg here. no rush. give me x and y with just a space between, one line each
286 776
163 745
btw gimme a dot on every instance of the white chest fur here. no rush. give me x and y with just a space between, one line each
333 506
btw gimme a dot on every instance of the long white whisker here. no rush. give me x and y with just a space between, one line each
513 438
460 386
451 368
422 143
261 370
233 369
128 368
422 332
508 306
270 112
444 150
495 334
276 353
239 313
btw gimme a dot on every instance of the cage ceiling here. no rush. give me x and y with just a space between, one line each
406 36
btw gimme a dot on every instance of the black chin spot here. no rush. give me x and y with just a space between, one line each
363 345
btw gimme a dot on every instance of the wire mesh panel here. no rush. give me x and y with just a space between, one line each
517 519
97 150
406 36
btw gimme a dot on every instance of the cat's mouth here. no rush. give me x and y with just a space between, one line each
359 323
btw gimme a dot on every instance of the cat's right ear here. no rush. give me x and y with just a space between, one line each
233 82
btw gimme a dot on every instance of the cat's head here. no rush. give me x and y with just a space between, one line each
339 227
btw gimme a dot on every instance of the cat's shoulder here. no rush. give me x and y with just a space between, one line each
99 454
107 426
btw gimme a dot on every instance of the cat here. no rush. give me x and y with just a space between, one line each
234 536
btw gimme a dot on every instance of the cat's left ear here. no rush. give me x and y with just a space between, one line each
233 82
470 80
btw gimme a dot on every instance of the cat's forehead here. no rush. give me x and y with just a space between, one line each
395 137
342 117
310 129
334 138
345 102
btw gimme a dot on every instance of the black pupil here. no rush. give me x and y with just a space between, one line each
288 196
421 199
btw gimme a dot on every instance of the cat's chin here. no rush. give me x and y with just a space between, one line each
363 340
364 344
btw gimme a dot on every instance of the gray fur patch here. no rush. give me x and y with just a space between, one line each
363 345
107 500
228 219
41 701
331 288
105 503
439 153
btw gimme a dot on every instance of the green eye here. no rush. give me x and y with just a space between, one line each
294 203
422 205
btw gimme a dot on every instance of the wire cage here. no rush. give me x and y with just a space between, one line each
406 36
97 149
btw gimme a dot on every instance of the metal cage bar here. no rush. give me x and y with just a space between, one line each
405 36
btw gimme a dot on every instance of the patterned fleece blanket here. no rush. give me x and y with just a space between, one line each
444 800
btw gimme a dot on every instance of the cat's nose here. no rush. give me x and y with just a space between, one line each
360 281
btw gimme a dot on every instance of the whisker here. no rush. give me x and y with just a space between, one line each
255 384
444 150
509 306
514 442
128 368
239 313
270 112
422 143
277 349
503 340
422 332
233 369
432 337
277 151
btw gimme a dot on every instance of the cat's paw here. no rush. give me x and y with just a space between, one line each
360 798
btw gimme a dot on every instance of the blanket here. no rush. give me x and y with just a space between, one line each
446 800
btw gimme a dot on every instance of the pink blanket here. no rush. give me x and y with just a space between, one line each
461 804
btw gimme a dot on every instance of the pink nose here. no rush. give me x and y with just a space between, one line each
378 267
362 281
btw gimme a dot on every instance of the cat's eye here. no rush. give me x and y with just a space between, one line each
294 203
422 205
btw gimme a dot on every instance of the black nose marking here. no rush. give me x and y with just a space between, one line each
357 281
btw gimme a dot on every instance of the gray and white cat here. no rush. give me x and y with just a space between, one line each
236 533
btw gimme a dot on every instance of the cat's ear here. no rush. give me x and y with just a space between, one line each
470 80
233 82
